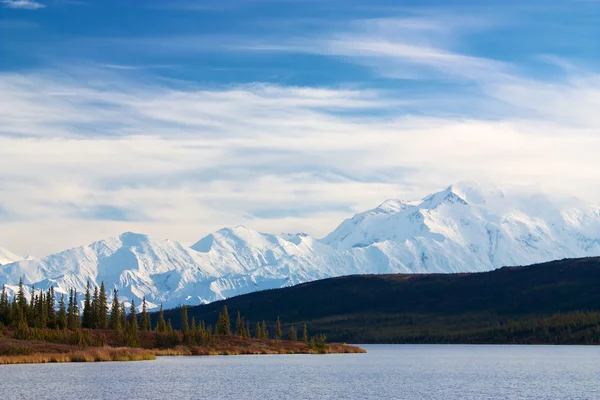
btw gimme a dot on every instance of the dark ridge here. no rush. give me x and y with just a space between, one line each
554 302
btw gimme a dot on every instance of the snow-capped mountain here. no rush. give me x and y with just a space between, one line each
7 257
464 228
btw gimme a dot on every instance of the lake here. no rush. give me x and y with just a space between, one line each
385 372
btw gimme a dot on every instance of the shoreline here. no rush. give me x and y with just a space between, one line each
14 351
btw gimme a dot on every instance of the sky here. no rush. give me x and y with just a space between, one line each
177 118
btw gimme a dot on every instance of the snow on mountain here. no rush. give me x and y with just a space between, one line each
7 257
466 227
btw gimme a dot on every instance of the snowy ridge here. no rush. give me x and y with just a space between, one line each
7 257
464 228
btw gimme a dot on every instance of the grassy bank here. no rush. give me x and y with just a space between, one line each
13 351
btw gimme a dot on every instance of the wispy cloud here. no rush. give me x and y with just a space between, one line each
23 4
120 153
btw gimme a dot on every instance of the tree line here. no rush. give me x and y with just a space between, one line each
29 319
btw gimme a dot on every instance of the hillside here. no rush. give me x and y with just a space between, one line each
555 302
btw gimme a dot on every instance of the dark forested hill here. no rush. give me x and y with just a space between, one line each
555 302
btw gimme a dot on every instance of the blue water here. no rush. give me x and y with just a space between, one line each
385 372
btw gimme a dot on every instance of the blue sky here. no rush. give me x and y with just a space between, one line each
177 118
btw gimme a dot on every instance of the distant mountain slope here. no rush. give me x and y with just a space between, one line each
7 257
431 307
464 228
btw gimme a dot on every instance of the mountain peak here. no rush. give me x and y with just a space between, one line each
392 205
7 257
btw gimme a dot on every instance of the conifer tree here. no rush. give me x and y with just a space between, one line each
132 337
95 315
247 330
21 296
223 327
161 326
50 307
264 330
61 318
304 334
42 311
239 325
115 312
278 333
184 320
145 324
258 331
86 321
123 316
76 314
169 326
292 335
103 308
193 324
70 315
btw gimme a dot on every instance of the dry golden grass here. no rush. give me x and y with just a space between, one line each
96 354
14 351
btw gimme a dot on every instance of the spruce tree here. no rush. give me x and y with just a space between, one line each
184 320
264 330
50 307
223 327
95 320
103 308
145 317
239 325
76 314
304 334
115 312
292 335
258 331
161 325
70 316
21 296
61 318
42 311
86 321
278 333
133 339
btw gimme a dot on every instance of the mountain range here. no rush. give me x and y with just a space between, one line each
464 228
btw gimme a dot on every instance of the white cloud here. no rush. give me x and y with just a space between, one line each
23 4
86 154
181 162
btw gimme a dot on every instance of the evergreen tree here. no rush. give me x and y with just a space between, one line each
278 333
95 309
70 315
22 303
123 316
184 320
304 334
258 331
132 337
292 335
103 308
247 330
264 330
145 317
223 327
169 326
42 311
61 319
239 325
161 326
115 312
87 308
51 307
76 314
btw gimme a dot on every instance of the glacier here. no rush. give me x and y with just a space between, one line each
466 227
